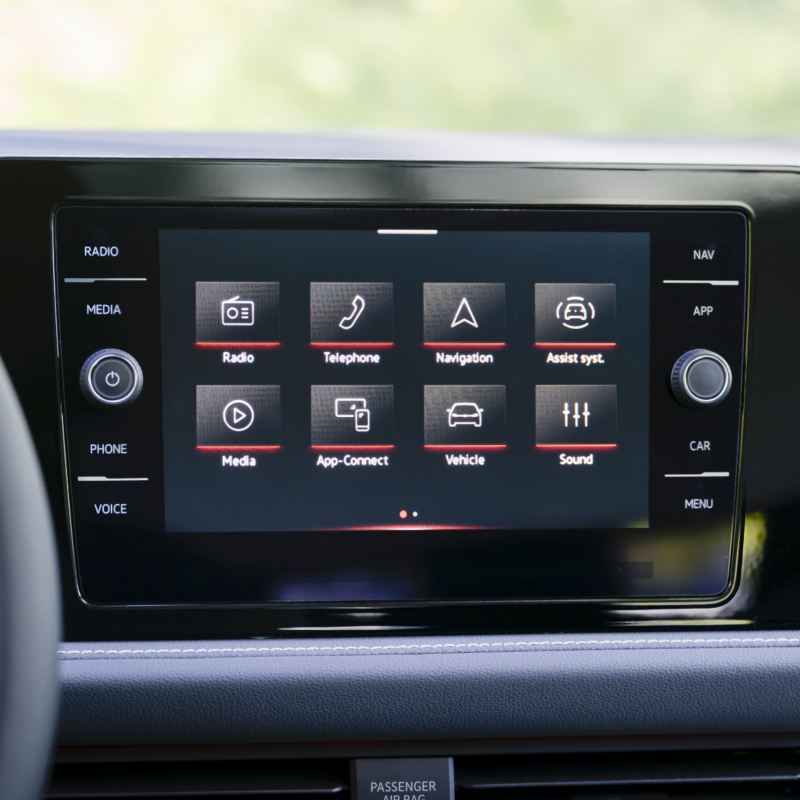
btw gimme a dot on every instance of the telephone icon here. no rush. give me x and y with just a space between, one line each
359 304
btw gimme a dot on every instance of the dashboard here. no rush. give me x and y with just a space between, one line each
413 422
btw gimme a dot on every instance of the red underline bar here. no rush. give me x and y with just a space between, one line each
444 448
238 448
575 446
352 448
575 345
237 345
352 345
464 345
414 527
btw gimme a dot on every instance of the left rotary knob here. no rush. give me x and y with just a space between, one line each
111 378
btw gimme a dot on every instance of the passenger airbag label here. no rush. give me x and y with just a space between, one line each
403 779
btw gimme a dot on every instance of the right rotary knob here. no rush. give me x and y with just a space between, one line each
701 378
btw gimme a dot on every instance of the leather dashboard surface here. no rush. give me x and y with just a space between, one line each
400 689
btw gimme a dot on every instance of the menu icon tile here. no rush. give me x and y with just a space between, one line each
230 314
351 417
571 314
238 417
464 314
576 417
352 314
465 417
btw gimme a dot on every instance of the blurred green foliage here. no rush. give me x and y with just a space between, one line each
729 67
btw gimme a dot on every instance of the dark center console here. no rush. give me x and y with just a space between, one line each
278 396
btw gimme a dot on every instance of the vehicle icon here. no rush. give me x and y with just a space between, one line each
575 312
465 413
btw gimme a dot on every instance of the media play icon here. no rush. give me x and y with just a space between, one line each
238 415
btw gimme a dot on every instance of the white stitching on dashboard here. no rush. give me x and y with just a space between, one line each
401 648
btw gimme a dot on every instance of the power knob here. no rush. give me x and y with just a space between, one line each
701 378
111 378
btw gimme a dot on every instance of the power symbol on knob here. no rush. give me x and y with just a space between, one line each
111 378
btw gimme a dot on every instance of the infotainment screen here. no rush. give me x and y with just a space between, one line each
315 405
404 379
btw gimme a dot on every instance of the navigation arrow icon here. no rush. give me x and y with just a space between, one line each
464 315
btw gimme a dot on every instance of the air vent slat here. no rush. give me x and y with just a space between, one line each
306 779
665 775
628 770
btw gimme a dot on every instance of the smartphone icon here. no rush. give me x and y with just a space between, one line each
362 420
359 304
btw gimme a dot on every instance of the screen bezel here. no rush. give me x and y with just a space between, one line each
98 587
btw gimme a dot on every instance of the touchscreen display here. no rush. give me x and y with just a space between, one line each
386 379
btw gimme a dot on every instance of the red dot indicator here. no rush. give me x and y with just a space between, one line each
403 514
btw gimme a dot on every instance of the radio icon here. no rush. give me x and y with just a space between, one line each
238 312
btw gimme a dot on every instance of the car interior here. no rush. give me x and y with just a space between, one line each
398 456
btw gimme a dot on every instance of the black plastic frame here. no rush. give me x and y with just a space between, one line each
139 567
768 593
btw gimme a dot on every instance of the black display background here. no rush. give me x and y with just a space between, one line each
519 488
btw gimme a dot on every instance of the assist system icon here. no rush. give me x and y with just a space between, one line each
575 315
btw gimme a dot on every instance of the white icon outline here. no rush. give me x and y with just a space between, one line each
576 413
465 412
575 312
234 424
349 321
238 313
355 408
464 315
112 379
362 420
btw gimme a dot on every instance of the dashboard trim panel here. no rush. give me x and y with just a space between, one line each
764 599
